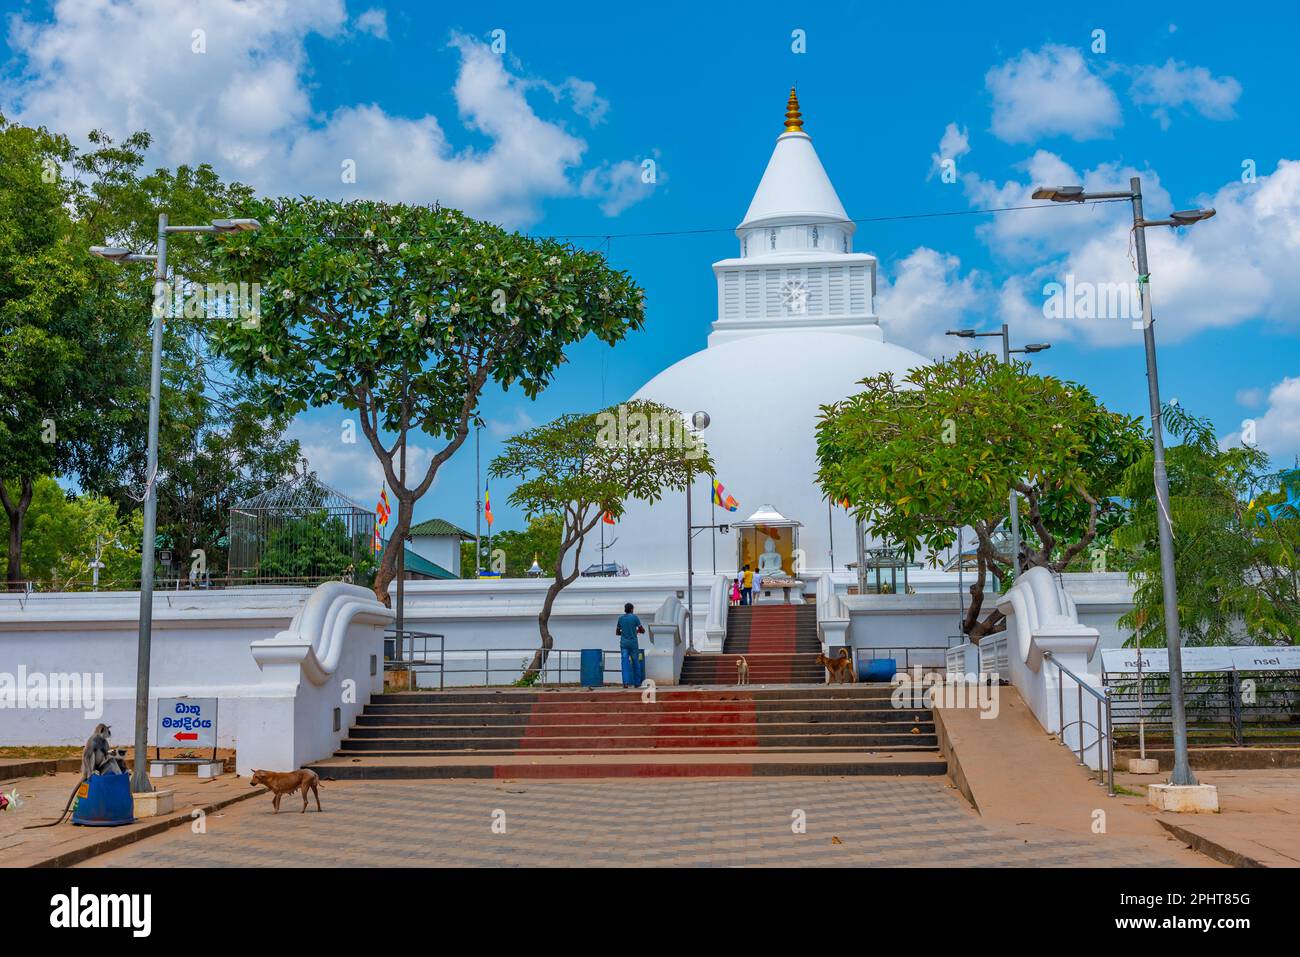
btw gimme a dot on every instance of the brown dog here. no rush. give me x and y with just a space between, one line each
742 671
286 782
839 669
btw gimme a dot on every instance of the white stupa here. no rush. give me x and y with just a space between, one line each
796 329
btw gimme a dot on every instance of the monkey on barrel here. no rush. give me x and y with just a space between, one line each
96 758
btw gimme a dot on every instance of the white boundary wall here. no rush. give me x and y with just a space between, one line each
275 658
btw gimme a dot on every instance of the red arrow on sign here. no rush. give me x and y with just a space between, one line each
186 736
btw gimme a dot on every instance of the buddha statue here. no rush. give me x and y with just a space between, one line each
769 563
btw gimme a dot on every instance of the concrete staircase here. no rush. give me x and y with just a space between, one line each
840 729
778 641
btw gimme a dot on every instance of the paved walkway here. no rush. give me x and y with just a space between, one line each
41 799
697 822
1259 819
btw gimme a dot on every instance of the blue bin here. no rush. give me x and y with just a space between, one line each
105 801
879 669
592 667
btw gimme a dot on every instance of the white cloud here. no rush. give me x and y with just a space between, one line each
1251 398
1218 274
351 467
929 294
1177 86
245 104
506 427
617 185
375 22
1277 431
1048 92
954 144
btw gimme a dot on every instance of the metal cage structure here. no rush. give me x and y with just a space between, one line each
300 531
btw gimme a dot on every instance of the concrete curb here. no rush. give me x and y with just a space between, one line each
115 841
1211 849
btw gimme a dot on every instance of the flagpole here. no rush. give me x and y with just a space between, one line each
713 519
478 505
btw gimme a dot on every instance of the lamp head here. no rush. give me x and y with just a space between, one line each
961 333
235 225
1060 194
1185 217
1038 346
112 253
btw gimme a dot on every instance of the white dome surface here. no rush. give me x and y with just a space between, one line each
763 395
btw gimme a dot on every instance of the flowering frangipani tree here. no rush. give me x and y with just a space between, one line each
403 314
938 450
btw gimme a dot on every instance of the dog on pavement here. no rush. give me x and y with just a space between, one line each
281 783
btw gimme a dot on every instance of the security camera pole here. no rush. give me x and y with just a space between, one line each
140 776
1182 773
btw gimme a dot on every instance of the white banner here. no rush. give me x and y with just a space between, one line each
1219 658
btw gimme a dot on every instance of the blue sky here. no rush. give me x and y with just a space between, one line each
548 136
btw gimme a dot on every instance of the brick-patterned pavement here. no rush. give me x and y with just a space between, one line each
693 822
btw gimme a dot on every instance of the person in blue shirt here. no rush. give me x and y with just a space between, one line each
629 626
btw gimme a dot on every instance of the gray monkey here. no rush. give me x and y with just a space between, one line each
97 757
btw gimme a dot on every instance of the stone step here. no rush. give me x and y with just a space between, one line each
647 716
745 725
595 742
578 766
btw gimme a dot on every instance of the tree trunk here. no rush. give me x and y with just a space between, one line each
543 626
16 512
387 570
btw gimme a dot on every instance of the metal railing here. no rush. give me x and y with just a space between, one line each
428 652
1102 727
1225 708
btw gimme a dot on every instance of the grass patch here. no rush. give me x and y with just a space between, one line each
41 752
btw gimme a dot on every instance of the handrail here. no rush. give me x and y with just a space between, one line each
1103 705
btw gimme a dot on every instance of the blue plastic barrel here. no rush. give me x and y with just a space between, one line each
879 669
592 667
105 801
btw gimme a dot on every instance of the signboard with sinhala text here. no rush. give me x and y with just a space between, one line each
187 723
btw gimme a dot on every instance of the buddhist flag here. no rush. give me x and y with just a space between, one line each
720 497
487 505
378 544
382 510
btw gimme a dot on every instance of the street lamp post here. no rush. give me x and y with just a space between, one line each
1182 773
1013 499
140 776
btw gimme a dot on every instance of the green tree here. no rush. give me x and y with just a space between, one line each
540 539
63 532
941 449
404 314
1234 561
581 466
74 335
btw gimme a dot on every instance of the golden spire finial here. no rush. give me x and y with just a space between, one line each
793 118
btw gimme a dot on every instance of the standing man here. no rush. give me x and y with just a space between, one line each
747 587
629 626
